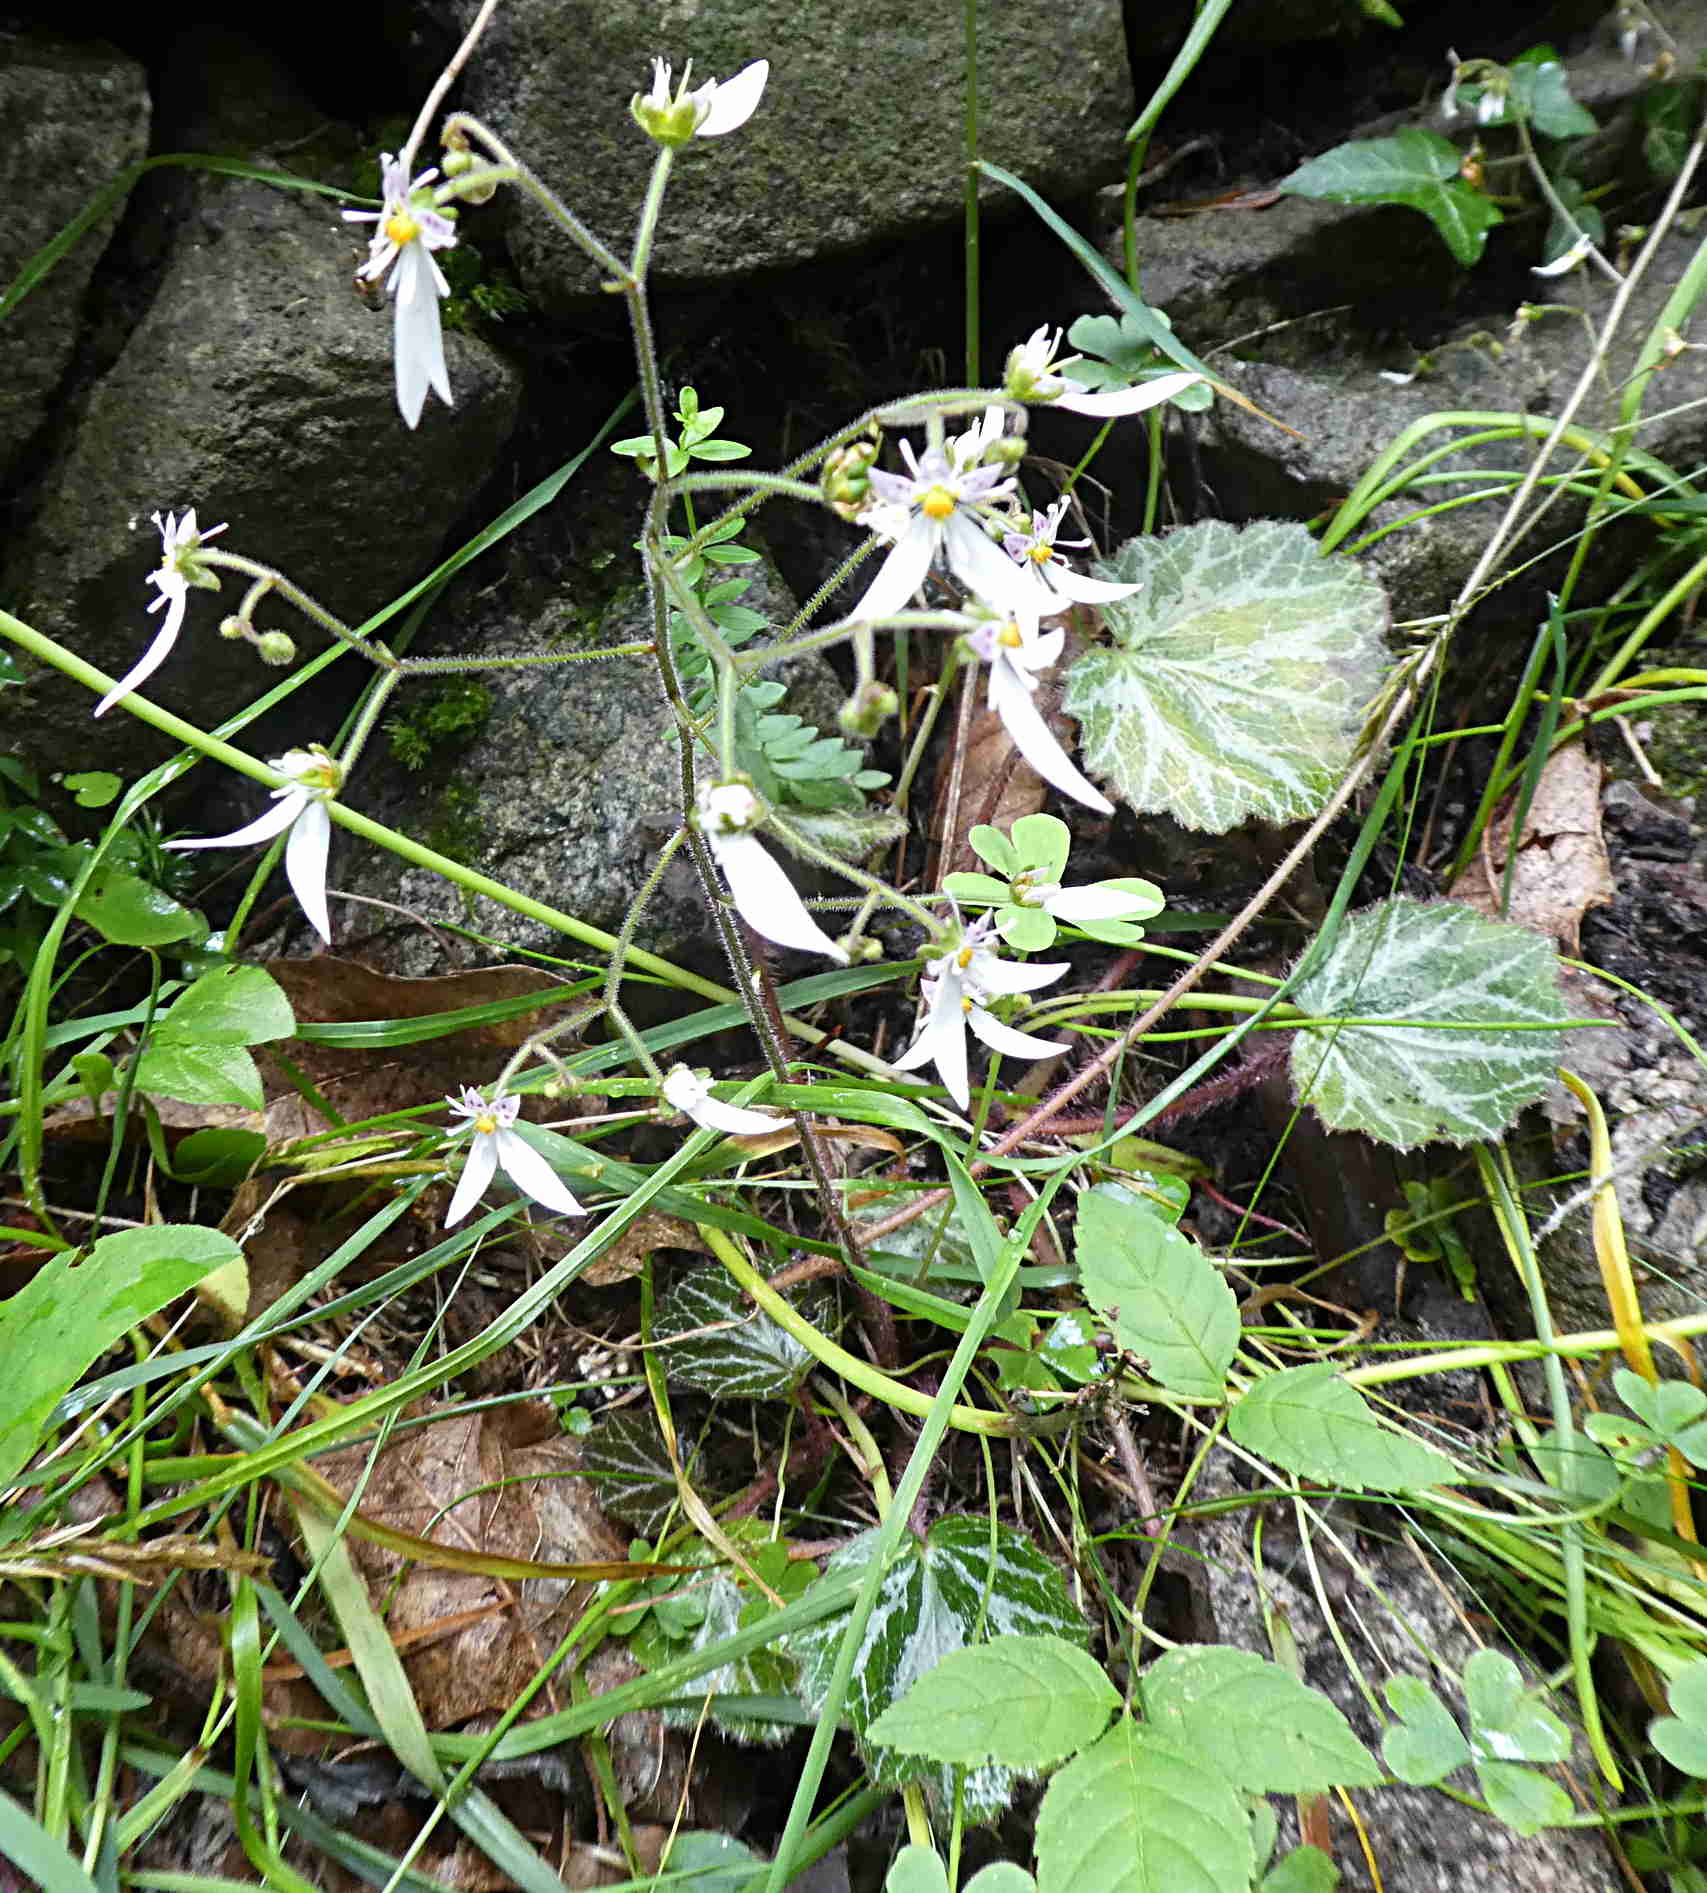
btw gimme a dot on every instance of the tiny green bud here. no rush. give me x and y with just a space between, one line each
865 713
457 161
235 627
276 647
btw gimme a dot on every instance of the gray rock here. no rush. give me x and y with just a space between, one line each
75 116
857 139
257 388
570 786
1398 1615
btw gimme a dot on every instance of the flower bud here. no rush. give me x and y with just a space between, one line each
235 627
276 647
845 482
865 713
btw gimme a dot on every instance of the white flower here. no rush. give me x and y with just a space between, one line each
179 542
933 508
1038 547
966 451
1016 651
497 1146
301 807
1033 374
1076 904
708 111
764 895
1562 265
409 230
689 1092
955 992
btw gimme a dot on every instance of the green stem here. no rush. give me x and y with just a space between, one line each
649 210
547 199
969 40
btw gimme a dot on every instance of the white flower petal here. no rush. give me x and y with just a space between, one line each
688 1092
151 659
900 575
532 1175
1118 401
988 573
418 341
305 865
766 897
735 101
1032 738
276 820
476 1174
1016 976
1004 1039
1074 904
942 1042
1081 587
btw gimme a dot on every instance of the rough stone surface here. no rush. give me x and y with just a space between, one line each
75 116
1398 1613
567 791
257 388
844 149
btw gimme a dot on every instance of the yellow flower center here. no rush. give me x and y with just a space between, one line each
965 1004
1010 637
938 503
963 958
486 1123
1042 553
401 228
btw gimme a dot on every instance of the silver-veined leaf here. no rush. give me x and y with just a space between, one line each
1455 1024
1238 678
715 1340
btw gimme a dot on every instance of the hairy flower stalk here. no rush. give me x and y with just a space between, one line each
956 991
178 570
300 806
496 1145
763 894
409 228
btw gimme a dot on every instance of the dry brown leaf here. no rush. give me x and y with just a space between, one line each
997 785
1562 867
507 1482
649 1232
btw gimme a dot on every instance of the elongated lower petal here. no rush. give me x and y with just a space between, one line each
766 898
471 1185
988 573
418 341
276 820
1018 976
151 659
1022 720
532 1175
305 865
690 1093
1081 587
1004 1039
942 1042
900 575
735 100
1118 401
1073 904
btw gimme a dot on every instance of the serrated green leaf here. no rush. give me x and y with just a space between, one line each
745 1356
1414 167
1426 1743
1456 1024
200 1074
1022 1701
1238 678
1139 1813
130 911
626 1461
1507 1723
63 1319
1305 1870
1681 1737
1526 1801
1166 1300
232 1005
1310 1422
1541 91
938 1597
1269 1732
916 1869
